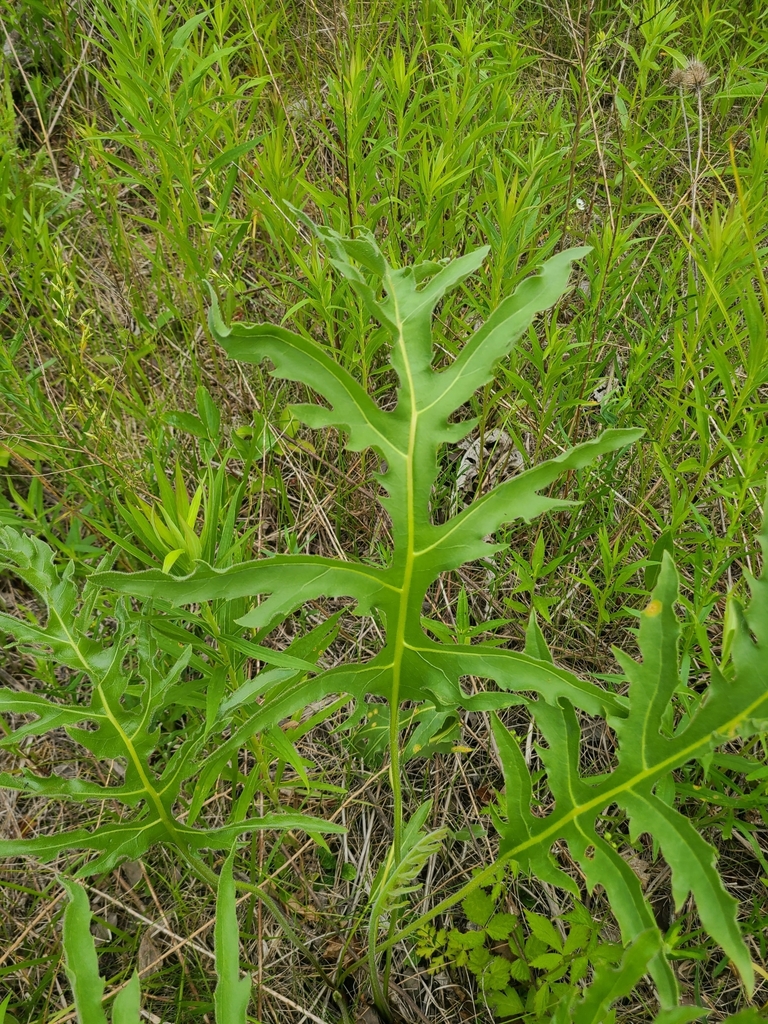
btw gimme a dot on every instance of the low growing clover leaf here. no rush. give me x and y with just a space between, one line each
123 719
609 984
733 706
407 439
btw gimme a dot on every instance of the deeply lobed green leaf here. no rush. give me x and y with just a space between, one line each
646 755
408 439
119 722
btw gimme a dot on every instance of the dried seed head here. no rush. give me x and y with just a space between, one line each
676 78
695 75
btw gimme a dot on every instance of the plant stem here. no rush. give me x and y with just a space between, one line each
379 999
397 789
380 991
388 956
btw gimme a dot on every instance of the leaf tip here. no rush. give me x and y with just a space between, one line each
216 324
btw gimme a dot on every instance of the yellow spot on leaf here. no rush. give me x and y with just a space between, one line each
459 749
653 609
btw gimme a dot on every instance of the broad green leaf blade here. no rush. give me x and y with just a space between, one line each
517 781
544 930
232 993
126 1008
80 960
291 580
602 865
409 438
32 560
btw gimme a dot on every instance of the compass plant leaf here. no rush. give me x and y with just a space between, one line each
121 710
408 437
646 754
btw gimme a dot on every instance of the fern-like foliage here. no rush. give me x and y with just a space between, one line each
407 439
396 880
120 707
736 704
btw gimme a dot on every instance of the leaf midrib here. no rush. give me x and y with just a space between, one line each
152 793
405 588
608 796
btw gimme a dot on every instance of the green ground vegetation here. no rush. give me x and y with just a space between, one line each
149 146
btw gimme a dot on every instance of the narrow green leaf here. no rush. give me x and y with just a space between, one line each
80 960
126 1008
684 1014
4 1007
535 644
181 35
653 566
232 993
